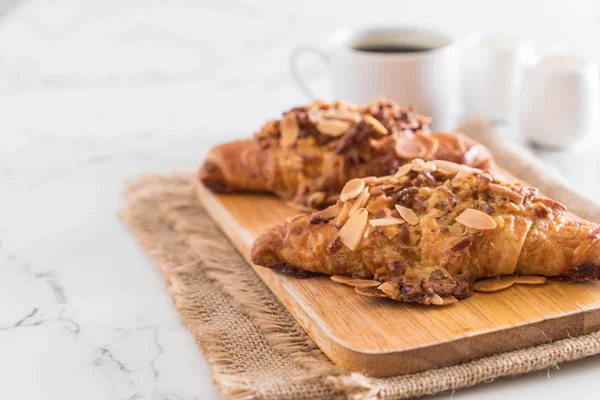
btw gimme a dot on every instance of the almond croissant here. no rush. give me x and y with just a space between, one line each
308 155
432 230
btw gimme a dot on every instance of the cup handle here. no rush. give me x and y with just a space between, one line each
298 78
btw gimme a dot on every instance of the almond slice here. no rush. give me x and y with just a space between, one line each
449 300
437 300
315 115
531 280
409 149
351 189
340 220
447 167
403 170
507 192
299 207
315 199
289 130
386 221
363 283
430 144
378 126
429 167
464 172
360 201
375 179
318 103
352 232
418 164
408 214
341 278
369 292
342 114
333 127
388 289
494 284
476 219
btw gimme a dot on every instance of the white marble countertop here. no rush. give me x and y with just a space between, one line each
95 93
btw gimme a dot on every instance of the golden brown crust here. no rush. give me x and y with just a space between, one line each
435 228
309 154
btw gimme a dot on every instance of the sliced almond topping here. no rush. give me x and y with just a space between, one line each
476 155
363 283
386 221
340 278
343 104
289 130
507 192
437 300
464 172
476 219
408 214
447 167
315 115
430 144
320 104
299 207
403 170
531 280
352 232
494 284
378 126
342 114
388 289
379 143
429 167
408 149
340 220
333 127
418 164
379 204
553 204
369 292
331 199
352 189
375 179
449 300
315 199
360 201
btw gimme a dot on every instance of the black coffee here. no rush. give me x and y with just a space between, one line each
391 49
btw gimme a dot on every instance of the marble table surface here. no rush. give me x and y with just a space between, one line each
94 93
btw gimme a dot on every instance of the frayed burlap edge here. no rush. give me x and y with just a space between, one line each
255 349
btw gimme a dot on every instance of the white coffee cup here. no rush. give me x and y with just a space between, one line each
559 102
426 77
493 68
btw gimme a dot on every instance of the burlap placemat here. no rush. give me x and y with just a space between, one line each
255 349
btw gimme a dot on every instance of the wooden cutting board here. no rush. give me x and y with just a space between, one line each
381 337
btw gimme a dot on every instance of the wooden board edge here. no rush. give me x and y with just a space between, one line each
408 360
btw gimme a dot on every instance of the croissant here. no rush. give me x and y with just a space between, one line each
308 155
431 231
